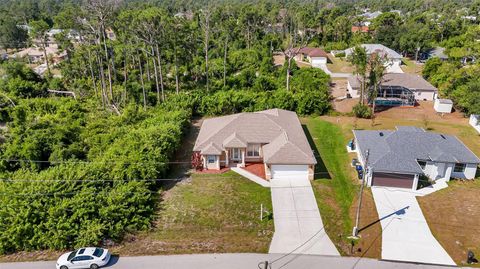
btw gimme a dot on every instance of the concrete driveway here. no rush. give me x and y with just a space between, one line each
406 235
298 225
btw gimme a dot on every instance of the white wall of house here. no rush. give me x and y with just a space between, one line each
475 122
207 161
353 92
424 95
469 173
436 171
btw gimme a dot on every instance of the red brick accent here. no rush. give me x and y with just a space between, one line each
257 169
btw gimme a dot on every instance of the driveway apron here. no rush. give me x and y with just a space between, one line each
405 232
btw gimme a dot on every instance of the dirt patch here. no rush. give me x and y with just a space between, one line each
338 88
453 215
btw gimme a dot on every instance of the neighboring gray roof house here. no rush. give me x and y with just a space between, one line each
278 131
398 151
378 48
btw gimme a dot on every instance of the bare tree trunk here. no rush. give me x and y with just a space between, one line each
91 72
288 72
225 61
159 59
102 80
142 82
156 74
44 45
177 84
110 86
147 66
125 76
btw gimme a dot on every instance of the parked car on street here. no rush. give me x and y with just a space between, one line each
89 257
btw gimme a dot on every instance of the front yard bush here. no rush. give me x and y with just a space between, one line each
362 111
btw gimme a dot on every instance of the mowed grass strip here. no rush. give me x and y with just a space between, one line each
215 213
336 189
334 192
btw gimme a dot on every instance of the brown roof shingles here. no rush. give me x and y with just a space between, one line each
279 129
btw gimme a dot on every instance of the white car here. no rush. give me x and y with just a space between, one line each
92 258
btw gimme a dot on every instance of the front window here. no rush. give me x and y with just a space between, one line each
459 168
253 150
422 164
211 159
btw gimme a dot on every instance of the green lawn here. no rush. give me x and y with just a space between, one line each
336 188
212 213
409 66
339 65
334 192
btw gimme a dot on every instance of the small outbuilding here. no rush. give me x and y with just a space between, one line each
475 121
443 105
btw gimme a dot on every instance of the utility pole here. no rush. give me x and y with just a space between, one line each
357 220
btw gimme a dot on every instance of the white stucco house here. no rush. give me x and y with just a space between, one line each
273 138
398 158
315 56
422 89
394 59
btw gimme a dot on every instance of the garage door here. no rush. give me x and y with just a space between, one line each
318 62
393 180
289 171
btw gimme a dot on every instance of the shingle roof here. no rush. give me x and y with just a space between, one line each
399 150
409 81
279 129
313 52
211 149
234 141
371 48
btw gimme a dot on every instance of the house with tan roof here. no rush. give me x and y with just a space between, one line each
314 56
274 138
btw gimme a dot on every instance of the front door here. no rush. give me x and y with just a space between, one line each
235 153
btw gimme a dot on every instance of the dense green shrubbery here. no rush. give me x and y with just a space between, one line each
362 111
232 101
95 182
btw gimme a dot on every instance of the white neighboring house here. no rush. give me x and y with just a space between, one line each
423 90
475 121
314 56
394 59
397 158
443 105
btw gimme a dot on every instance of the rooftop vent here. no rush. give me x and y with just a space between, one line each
381 133
443 136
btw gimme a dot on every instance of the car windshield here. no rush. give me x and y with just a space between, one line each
72 255
98 252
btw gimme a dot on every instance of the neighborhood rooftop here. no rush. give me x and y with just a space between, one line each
398 150
279 129
378 48
409 81
313 52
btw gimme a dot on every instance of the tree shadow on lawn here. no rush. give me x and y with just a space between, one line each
181 166
320 168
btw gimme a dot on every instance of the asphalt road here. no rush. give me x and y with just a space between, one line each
237 261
